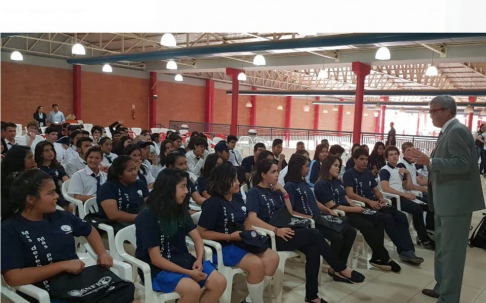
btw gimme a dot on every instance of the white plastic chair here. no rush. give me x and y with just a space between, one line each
244 190
136 130
77 203
216 140
43 129
88 126
155 130
107 132
19 130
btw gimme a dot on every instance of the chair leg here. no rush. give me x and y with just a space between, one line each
226 297
278 281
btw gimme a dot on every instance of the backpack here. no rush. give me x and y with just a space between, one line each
478 238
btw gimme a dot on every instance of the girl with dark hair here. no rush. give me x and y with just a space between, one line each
45 156
40 116
222 219
144 174
177 141
166 147
161 231
377 159
304 204
264 200
190 145
350 162
96 133
106 145
264 155
121 196
212 160
322 151
122 143
329 191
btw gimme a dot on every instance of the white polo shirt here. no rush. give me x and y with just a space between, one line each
391 174
83 183
25 139
193 164
111 156
70 153
235 157
59 151
410 167
75 164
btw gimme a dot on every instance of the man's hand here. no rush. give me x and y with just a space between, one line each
410 196
375 205
419 157
403 170
281 157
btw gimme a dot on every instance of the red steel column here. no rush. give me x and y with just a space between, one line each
316 114
418 124
235 91
361 70
153 99
288 114
77 91
472 99
340 118
382 115
209 114
253 110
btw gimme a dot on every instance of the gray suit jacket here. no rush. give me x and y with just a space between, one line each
454 180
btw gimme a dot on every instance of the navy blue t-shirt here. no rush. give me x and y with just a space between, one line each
361 182
349 164
148 234
221 215
127 197
248 163
378 161
314 172
302 198
331 190
57 174
202 184
264 201
28 243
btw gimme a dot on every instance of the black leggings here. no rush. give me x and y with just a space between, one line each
312 243
373 231
417 212
341 243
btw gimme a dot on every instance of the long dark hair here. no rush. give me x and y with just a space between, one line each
118 167
39 148
326 166
23 184
374 153
14 160
209 164
479 130
162 155
194 135
262 166
162 201
354 146
172 157
294 173
129 149
119 147
37 110
319 148
221 180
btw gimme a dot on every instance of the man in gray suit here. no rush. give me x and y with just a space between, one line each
454 192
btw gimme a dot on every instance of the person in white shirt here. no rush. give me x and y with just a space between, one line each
9 131
407 147
166 147
51 136
144 173
71 152
195 157
106 145
156 139
235 156
32 137
86 182
78 163
145 152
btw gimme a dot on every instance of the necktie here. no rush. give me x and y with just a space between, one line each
142 177
197 158
98 181
109 159
236 158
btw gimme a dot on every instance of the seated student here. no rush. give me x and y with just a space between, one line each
85 183
17 159
191 146
45 157
300 145
325 142
32 137
235 156
71 152
376 160
283 172
147 156
96 133
177 141
264 200
407 147
122 143
78 163
266 154
337 151
155 137
195 157
114 130
9 132
29 217
161 231
222 219
250 161
322 151
396 180
277 152
222 149
144 174
329 191
177 160
51 136
212 161
106 145
350 162
120 198
304 204
85 133
361 186
166 147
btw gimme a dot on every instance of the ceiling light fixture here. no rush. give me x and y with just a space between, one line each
171 65
259 60
78 49
334 109
383 53
432 70
483 112
325 111
168 40
16 56
376 114
348 113
280 107
306 107
469 109
248 104
107 68
242 76
178 78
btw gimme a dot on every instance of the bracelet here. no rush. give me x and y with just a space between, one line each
286 196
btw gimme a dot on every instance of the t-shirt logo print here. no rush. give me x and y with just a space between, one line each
294 221
102 283
66 228
139 192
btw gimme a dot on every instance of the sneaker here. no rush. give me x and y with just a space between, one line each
429 245
411 258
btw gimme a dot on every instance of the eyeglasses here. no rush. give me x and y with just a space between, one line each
433 111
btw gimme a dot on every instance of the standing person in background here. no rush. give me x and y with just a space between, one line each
56 116
300 145
391 140
40 117
279 155
235 156
454 193
480 140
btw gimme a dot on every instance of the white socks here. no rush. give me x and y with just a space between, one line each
267 281
256 291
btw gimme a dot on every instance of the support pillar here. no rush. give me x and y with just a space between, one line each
361 70
316 114
472 99
253 110
153 99
235 91
340 118
77 91
418 125
382 115
288 114
209 114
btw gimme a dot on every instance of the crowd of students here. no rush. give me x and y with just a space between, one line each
155 183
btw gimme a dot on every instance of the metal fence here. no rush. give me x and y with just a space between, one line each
425 143
213 128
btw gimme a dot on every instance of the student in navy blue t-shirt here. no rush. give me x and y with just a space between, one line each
121 197
222 219
376 159
38 240
212 160
161 230
304 204
250 161
263 201
350 162
322 151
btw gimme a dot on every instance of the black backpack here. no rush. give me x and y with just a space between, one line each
478 238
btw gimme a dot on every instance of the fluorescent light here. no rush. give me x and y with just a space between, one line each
348 113
325 111
168 40
334 109
383 53
242 76
178 78
431 71
78 49
107 68
16 56
171 65
280 107
376 114
306 108
259 60
323 74
248 104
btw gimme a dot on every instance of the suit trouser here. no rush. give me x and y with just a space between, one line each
451 236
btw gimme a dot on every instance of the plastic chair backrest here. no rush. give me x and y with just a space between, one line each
19 130
126 234
77 203
136 130
195 217
91 206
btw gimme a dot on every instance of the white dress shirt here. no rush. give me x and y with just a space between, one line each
69 153
60 151
105 160
25 139
148 175
75 164
282 174
83 183
9 145
194 165
444 127
235 157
